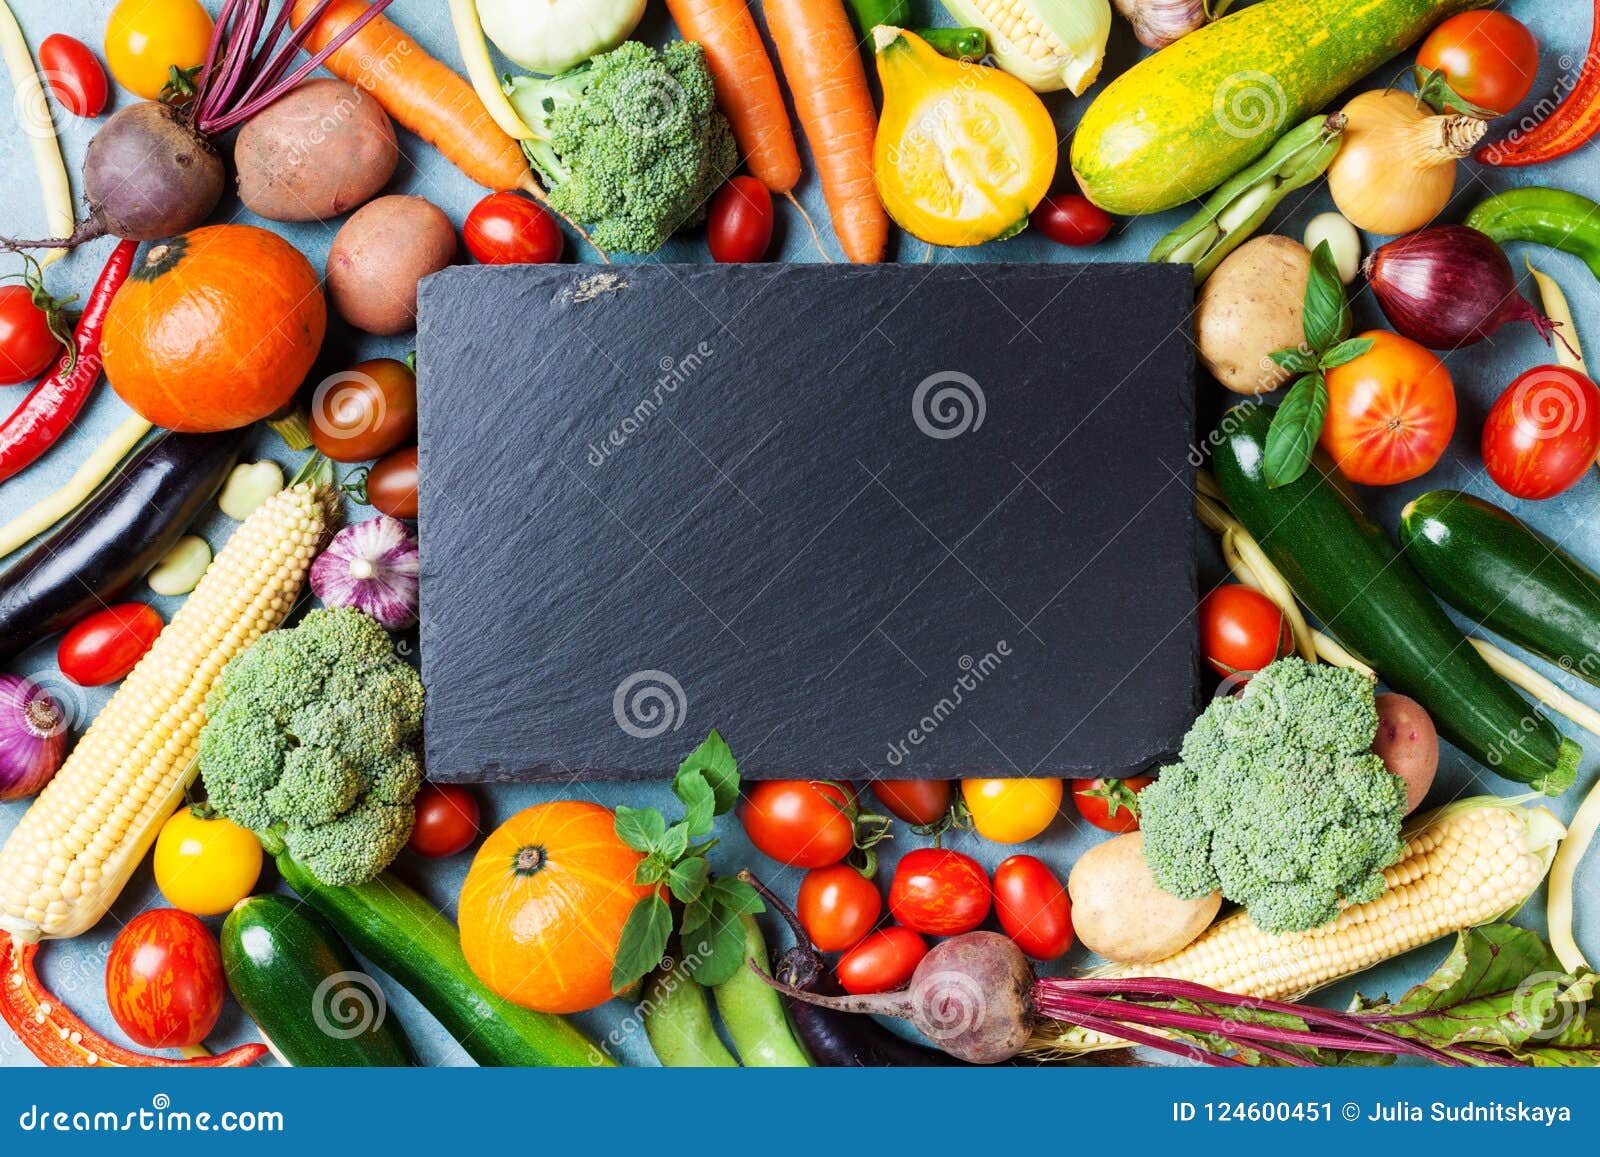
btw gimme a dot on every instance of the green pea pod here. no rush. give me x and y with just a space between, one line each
1566 221
677 1020
969 44
753 1014
1238 206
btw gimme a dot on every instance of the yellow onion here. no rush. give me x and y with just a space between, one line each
1397 167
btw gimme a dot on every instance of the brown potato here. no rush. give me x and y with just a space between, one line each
1408 744
1118 911
380 254
1249 307
318 152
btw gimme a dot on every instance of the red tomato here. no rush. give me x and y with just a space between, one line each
392 484
164 979
105 646
1541 435
1391 411
1033 907
739 225
940 892
883 962
74 74
1242 631
1487 58
27 347
838 906
1108 803
1071 219
800 822
916 801
447 820
508 229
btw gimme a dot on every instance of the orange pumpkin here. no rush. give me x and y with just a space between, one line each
216 329
544 903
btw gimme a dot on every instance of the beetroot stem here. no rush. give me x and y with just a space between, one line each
219 38
1176 1047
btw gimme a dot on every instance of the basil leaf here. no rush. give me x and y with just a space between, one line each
1346 351
688 879
713 759
699 801
1326 319
640 828
675 843
650 871
1297 359
1292 437
737 896
720 954
644 941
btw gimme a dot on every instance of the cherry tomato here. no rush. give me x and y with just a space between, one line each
883 962
1488 58
1071 219
27 347
392 484
916 801
939 892
838 906
800 822
509 229
1011 811
74 74
105 646
365 411
447 820
205 865
1108 803
1033 907
147 39
739 225
1541 435
1391 411
164 979
1242 631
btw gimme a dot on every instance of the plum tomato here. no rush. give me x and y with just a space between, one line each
882 962
837 907
1033 907
801 822
106 645
509 229
391 485
923 802
739 225
1071 219
1542 434
447 820
1109 804
75 75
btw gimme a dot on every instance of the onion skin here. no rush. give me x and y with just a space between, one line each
33 737
1447 287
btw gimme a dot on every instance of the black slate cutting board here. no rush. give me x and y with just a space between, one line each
899 521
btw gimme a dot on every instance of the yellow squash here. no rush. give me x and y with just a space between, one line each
964 152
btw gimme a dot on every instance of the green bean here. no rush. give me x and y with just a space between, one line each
1239 205
753 1014
677 1020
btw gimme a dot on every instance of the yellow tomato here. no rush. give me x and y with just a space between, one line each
146 39
206 866
1011 811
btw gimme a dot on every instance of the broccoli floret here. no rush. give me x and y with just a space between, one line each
630 143
311 744
1279 801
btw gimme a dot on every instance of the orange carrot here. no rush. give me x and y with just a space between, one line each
817 48
423 95
747 87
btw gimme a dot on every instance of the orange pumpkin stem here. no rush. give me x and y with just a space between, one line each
530 860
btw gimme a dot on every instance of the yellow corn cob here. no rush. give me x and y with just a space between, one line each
1047 44
78 843
1472 862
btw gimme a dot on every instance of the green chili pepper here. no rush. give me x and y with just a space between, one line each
1239 205
871 13
1566 221
970 44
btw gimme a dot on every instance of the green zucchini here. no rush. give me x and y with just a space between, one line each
399 931
290 971
1502 573
1182 121
1344 568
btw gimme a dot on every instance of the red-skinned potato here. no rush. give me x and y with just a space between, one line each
317 152
1408 745
380 254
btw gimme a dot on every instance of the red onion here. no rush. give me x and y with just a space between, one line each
371 566
1448 286
33 737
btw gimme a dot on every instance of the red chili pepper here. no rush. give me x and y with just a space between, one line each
58 1038
51 406
1573 123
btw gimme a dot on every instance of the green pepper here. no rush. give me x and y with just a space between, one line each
1566 221
969 44
1239 205
871 13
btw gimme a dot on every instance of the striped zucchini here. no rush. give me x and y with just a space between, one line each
1184 120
